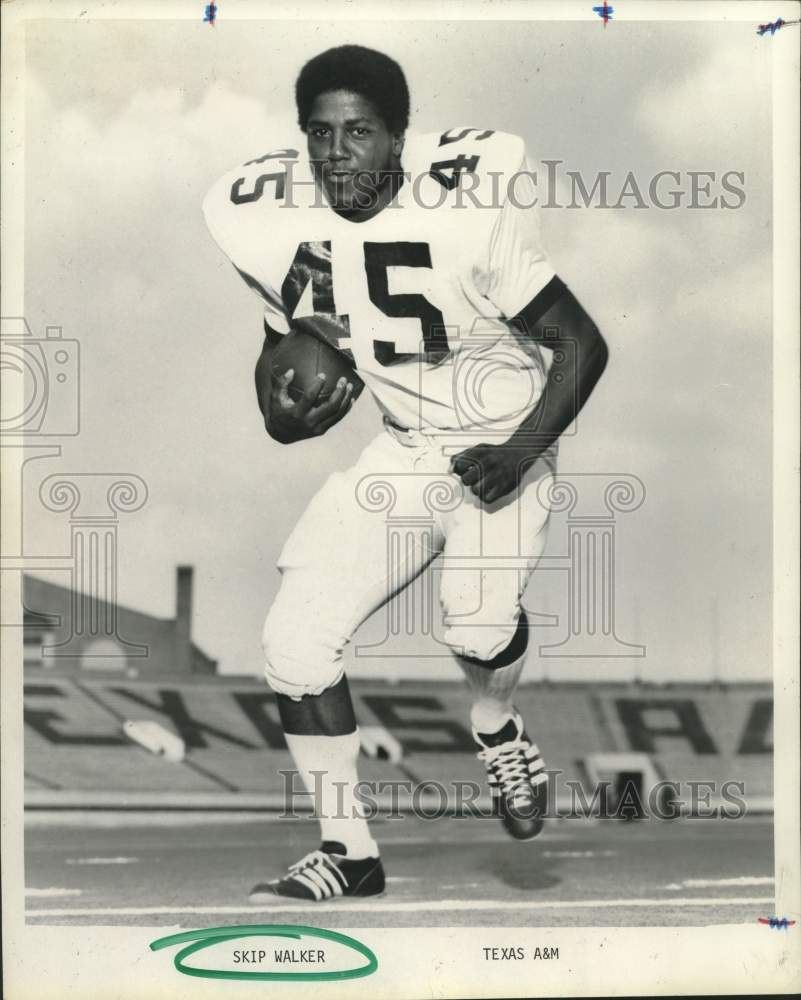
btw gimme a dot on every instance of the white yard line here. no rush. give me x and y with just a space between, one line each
498 837
721 883
403 906
579 854
100 861
47 893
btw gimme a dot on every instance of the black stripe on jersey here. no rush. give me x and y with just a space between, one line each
528 317
327 714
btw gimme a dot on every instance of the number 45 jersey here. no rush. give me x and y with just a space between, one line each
417 295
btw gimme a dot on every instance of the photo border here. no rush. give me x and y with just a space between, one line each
655 960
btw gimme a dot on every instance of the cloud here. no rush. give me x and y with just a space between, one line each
719 113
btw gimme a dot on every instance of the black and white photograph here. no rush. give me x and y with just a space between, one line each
400 486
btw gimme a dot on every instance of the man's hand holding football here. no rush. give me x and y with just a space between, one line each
290 420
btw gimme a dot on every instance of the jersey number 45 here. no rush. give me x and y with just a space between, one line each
312 266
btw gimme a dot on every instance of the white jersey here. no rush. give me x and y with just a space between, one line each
418 294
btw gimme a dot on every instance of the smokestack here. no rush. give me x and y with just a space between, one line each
183 618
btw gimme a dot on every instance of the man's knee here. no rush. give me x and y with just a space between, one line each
492 646
302 658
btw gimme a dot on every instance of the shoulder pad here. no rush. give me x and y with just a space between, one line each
447 155
247 182
264 176
258 182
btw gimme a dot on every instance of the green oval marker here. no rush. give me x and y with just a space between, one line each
206 938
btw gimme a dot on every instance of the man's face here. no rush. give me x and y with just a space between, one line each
352 151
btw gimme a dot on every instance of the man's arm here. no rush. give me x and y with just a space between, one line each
492 471
264 379
568 387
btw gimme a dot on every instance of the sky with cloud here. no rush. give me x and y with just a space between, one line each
129 123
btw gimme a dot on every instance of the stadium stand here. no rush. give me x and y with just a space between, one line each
76 752
108 727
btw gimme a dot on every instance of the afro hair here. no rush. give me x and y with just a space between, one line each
362 71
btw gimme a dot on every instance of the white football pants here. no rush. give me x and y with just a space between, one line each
371 529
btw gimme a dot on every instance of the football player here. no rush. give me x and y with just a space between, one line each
421 259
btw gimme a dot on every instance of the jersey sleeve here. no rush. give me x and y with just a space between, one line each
275 321
232 235
519 267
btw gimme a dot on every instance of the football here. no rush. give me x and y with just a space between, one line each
309 355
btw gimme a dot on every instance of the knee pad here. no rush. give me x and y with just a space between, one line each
327 714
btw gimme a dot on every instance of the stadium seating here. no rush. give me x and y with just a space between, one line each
76 751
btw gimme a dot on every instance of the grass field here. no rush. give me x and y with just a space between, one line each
156 869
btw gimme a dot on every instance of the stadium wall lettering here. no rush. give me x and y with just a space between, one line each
69 714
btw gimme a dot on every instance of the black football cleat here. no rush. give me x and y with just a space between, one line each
517 779
324 874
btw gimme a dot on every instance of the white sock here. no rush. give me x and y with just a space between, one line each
340 813
493 691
